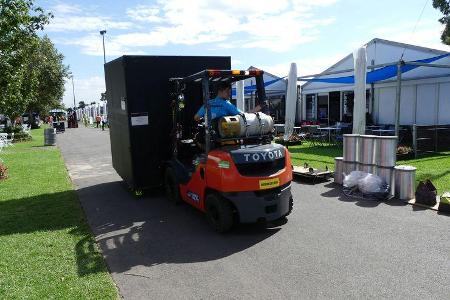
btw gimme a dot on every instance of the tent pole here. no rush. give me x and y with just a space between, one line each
397 102
372 95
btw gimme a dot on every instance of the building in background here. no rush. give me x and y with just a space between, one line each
275 92
425 91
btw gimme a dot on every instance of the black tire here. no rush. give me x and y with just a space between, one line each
291 206
219 213
172 186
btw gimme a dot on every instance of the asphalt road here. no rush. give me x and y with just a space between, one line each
331 248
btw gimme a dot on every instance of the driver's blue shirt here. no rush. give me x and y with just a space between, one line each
219 108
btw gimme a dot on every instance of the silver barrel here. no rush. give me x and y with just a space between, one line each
351 146
49 136
367 168
348 167
386 150
338 170
367 153
405 182
387 174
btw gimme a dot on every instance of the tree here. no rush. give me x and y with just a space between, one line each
19 22
48 67
444 7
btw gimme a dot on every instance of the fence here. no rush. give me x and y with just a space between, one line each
426 139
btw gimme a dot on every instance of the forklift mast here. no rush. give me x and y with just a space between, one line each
206 77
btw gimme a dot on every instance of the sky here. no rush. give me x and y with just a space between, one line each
268 34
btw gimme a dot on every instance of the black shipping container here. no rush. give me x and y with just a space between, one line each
137 89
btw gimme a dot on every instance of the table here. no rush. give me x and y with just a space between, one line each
329 129
380 131
277 127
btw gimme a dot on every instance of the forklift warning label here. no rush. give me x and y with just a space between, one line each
269 183
139 119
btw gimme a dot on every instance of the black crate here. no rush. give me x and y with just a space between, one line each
137 89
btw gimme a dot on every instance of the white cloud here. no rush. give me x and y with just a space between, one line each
86 89
123 44
73 18
312 65
427 34
144 13
276 25
84 23
64 8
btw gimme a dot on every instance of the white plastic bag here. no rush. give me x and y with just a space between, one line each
353 178
370 184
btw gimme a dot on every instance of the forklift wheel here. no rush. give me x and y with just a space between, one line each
172 186
219 213
291 206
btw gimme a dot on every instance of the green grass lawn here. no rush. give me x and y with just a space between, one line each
431 166
46 247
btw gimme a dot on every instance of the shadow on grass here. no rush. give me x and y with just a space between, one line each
428 157
51 212
433 176
43 146
326 151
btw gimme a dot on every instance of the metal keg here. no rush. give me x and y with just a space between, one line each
387 174
349 166
367 150
386 150
351 146
338 169
405 182
247 124
49 136
372 169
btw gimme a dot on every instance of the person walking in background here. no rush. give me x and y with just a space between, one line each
104 121
97 120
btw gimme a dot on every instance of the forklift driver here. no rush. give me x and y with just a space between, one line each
220 106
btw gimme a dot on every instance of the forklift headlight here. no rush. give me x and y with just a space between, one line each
223 164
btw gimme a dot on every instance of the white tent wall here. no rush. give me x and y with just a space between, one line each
425 97
426 101
407 105
444 104
385 104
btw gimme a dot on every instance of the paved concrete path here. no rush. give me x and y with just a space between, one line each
331 248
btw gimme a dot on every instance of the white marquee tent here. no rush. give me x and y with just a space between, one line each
425 91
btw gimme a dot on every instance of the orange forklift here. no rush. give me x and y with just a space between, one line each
227 167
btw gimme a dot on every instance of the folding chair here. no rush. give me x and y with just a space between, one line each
9 142
4 139
317 137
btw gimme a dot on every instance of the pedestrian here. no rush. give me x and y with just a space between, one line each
97 120
104 121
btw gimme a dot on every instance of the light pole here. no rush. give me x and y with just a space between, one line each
102 33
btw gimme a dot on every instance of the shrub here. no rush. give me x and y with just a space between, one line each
3 171
404 150
19 135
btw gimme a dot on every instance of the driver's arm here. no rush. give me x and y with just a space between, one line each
200 113
231 109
